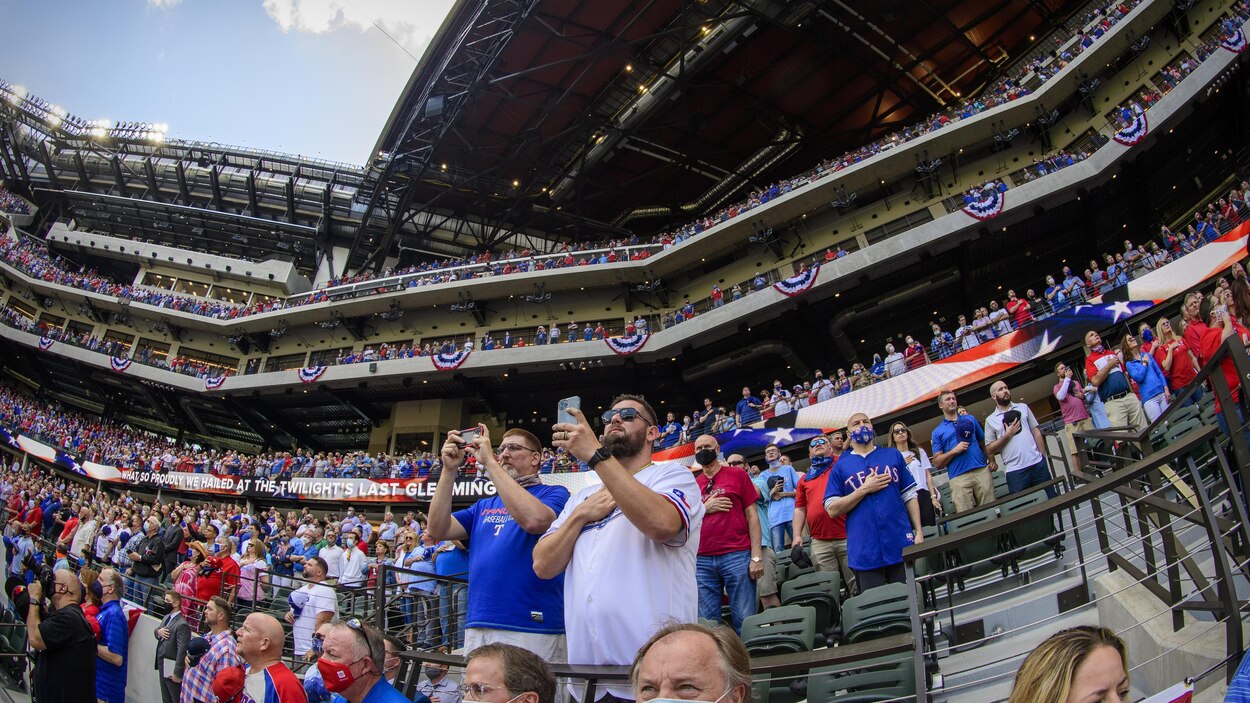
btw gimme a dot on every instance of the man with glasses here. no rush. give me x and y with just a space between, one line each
730 559
828 534
508 602
66 645
629 546
352 662
501 673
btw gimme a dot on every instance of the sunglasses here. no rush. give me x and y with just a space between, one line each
736 463
819 441
901 430
626 414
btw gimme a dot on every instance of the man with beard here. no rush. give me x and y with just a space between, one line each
507 603
629 546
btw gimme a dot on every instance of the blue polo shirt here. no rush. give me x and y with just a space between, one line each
879 527
944 439
506 593
781 511
384 692
110 680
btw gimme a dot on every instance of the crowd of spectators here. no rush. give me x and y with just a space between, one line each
38 262
12 204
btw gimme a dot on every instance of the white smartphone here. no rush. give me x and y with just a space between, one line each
562 410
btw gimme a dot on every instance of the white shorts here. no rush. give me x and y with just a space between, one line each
551 648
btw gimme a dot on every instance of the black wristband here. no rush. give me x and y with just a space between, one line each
599 455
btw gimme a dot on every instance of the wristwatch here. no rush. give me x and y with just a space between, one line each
599 455
756 559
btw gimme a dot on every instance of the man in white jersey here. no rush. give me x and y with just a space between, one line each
627 548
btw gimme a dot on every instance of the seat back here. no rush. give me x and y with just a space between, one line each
979 555
880 679
821 590
876 613
790 628
1000 483
1034 537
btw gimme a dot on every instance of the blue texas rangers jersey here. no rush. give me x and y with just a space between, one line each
878 528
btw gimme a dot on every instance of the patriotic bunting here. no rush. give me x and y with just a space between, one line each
449 362
989 205
119 364
796 285
45 343
1136 129
624 346
309 374
1235 42
213 384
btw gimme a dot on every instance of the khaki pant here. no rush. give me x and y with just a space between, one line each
1126 411
972 488
766 584
830 555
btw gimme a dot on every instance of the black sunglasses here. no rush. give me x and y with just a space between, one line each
626 414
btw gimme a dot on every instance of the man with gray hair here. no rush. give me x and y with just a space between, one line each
147 561
692 662
498 673
352 663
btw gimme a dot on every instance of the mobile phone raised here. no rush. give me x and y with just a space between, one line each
562 410
470 435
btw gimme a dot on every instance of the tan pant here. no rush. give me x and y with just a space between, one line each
830 555
766 584
1078 426
1126 412
973 488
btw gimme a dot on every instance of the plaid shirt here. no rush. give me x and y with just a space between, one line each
197 683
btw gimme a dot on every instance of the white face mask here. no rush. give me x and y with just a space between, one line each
469 700
682 700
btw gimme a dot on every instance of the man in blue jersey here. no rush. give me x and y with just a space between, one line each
508 602
959 447
872 487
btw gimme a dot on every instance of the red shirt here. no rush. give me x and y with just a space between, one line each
1211 342
1020 309
1182 371
811 495
1194 333
229 573
35 517
208 585
70 524
726 531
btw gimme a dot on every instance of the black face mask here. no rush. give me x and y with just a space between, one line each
705 456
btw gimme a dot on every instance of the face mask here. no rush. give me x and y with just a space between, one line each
1147 335
679 700
338 677
433 672
774 463
705 456
862 434
1097 349
467 700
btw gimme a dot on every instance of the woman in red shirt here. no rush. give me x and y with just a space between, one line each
1176 359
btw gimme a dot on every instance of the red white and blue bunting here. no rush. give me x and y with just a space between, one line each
449 362
213 384
1235 42
624 346
119 364
45 343
796 285
1136 129
988 206
309 374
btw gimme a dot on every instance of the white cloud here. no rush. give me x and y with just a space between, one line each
163 3
412 23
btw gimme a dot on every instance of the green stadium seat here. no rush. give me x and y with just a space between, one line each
785 630
875 613
979 557
1000 483
821 590
1035 537
881 679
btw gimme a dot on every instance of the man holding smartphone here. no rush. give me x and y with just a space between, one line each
508 602
628 548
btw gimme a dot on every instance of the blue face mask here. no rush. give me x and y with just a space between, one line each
863 434
1147 335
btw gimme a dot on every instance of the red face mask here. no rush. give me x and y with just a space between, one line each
338 677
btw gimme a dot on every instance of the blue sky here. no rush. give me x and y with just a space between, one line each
309 77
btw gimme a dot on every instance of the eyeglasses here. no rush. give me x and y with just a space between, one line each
513 448
476 691
626 414
818 442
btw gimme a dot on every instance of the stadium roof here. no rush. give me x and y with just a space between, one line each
577 119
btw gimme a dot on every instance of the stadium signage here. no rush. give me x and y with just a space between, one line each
332 489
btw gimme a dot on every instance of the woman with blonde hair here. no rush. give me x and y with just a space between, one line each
253 575
1085 664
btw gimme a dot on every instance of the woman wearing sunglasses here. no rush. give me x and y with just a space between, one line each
927 497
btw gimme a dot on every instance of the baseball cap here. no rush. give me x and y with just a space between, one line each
297 601
965 429
228 684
